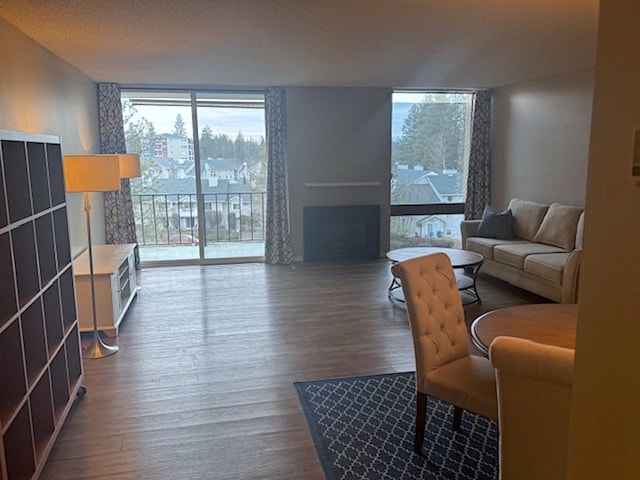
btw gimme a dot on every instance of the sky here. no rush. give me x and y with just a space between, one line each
231 120
400 112
221 120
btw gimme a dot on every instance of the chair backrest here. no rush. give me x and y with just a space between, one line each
534 394
435 311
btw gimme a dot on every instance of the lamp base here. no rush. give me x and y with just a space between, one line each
98 349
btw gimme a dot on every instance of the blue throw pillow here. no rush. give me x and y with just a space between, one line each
496 225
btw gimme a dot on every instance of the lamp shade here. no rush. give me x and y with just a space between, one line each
129 165
92 173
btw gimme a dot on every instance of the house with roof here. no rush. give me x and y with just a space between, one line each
224 169
228 205
164 167
172 196
169 167
444 187
416 186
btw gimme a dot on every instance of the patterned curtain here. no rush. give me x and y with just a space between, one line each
479 177
278 247
118 208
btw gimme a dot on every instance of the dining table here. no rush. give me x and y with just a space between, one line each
546 323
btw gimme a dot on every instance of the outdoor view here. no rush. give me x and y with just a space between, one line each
187 200
430 151
202 190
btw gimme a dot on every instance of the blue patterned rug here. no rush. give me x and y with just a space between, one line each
363 429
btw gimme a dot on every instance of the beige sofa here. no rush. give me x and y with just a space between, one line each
543 256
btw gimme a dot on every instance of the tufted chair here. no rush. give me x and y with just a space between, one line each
444 368
534 398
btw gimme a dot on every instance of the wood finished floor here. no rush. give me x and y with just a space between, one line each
202 385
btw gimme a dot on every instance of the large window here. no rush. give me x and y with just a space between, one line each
202 191
429 160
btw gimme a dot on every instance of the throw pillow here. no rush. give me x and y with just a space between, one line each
527 217
495 225
559 226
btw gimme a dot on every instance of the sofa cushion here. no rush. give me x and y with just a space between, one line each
515 253
580 232
559 226
527 217
495 225
549 266
484 246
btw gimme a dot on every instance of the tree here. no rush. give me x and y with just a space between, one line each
433 133
221 146
239 147
140 134
179 127
149 181
213 218
258 173
207 144
175 221
140 137
250 150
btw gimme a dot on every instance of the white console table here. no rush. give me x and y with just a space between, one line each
115 286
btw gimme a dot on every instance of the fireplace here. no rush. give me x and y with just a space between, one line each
343 232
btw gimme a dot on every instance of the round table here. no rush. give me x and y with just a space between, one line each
547 323
465 262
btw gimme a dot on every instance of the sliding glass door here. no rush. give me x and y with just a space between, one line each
233 166
201 194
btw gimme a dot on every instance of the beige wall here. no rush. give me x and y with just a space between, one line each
335 134
541 139
605 416
40 93
338 135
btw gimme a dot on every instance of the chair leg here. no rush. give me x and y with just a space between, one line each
421 421
457 418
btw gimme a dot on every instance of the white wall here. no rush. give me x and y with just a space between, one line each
40 93
540 139
605 415
338 135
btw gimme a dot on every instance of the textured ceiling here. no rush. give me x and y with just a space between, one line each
396 43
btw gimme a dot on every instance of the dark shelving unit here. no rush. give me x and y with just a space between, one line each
40 356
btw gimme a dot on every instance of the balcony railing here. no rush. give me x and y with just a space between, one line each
172 219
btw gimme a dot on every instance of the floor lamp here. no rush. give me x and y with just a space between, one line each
97 173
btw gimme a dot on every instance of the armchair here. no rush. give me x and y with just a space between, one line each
534 393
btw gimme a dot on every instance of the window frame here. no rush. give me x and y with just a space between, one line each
448 209
455 208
